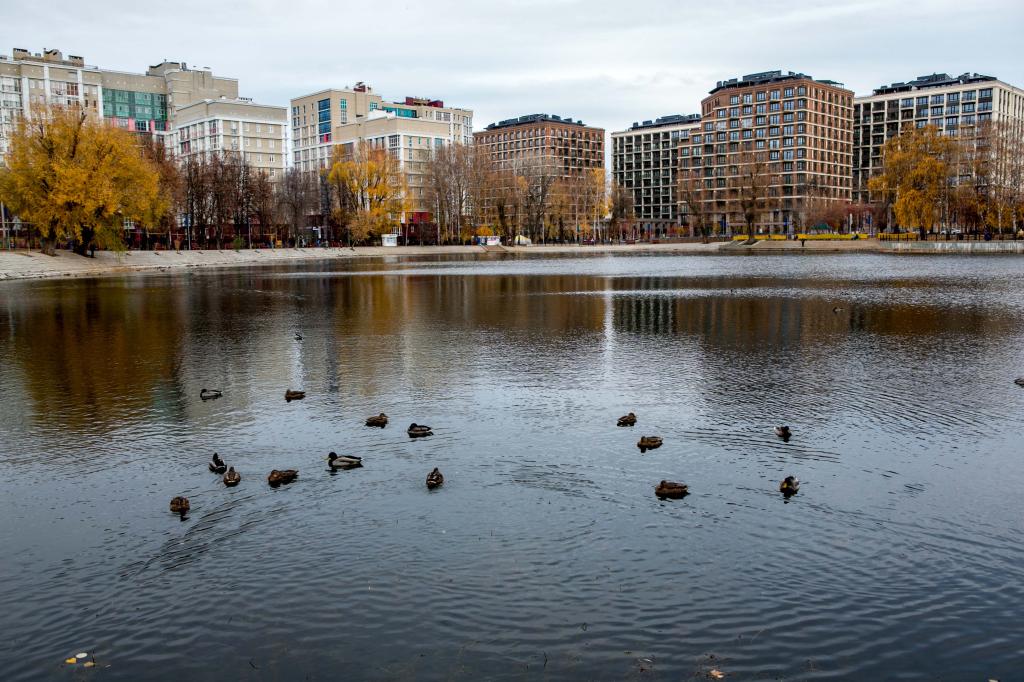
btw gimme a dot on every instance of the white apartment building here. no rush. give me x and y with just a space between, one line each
256 132
409 130
955 105
645 161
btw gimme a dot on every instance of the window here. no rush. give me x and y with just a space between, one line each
985 94
788 92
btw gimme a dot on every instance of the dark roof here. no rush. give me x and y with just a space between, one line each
935 80
767 77
533 118
670 120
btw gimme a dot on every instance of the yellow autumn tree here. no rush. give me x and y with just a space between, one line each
369 190
915 176
75 178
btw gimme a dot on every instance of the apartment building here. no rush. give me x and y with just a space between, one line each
955 105
570 147
143 103
255 132
317 120
409 130
798 128
645 161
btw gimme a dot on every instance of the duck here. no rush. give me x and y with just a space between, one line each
336 461
291 395
232 478
789 486
783 432
1019 381
179 505
435 479
671 489
298 336
649 443
419 430
627 420
210 394
277 478
217 465
380 420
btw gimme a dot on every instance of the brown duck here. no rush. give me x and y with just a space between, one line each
283 476
649 443
381 420
627 420
291 395
435 479
232 478
179 505
671 489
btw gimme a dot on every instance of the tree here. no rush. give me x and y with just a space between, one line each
296 197
537 181
695 197
370 190
753 182
74 177
449 187
915 176
263 208
170 185
622 208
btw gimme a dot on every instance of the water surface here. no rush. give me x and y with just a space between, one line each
545 555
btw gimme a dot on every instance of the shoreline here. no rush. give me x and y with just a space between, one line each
33 265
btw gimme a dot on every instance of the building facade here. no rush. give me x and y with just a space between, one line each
143 103
794 130
408 130
645 161
568 147
256 133
957 106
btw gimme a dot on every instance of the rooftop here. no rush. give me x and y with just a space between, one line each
670 120
766 77
534 118
935 80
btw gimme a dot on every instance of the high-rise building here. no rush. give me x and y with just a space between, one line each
795 131
569 147
257 133
645 161
409 130
144 103
957 106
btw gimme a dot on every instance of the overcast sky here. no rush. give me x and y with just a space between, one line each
609 63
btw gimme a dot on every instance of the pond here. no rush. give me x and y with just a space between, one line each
545 554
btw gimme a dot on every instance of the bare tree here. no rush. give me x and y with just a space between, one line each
623 210
694 198
296 198
754 181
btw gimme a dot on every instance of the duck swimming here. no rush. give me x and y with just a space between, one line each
671 489
434 479
179 505
209 394
380 420
783 432
298 336
789 486
627 420
1019 382
336 461
291 395
419 431
232 478
283 476
217 465
649 443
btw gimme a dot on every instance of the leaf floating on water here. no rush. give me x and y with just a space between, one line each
89 664
82 655
71 661
716 674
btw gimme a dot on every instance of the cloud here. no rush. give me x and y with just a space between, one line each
604 62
